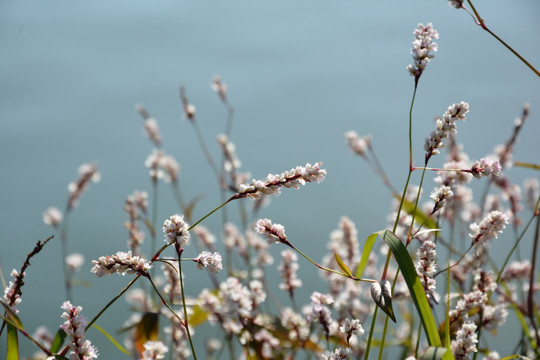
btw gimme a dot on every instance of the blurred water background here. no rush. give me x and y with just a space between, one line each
300 74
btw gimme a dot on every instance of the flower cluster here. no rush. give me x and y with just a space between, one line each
289 179
439 196
87 173
154 350
274 232
220 88
426 267
161 164
465 341
176 230
74 326
12 293
121 263
422 49
359 145
52 216
445 127
210 261
489 228
288 268
486 167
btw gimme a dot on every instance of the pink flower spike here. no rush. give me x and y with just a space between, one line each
120 263
74 327
289 179
210 261
486 167
273 232
176 229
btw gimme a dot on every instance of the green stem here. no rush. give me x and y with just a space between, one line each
482 24
111 302
371 330
179 253
388 257
64 249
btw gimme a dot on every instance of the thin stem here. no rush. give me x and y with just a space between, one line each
482 24
456 264
111 302
530 298
327 269
64 249
514 248
179 251
371 331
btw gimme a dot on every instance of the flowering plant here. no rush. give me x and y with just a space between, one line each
412 287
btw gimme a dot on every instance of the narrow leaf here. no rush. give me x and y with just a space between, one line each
342 266
527 165
420 216
12 343
12 316
58 340
365 254
415 287
111 339
437 353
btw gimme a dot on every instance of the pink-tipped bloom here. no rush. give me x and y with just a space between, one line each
422 49
87 173
439 196
176 229
446 126
210 261
154 350
273 232
52 216
465 342
121 263
288 269
426 267
74 261
486 167
220 88
489 228
359 145
289 179
12 293
74 326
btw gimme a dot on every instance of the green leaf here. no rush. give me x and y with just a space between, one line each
437 353
516 357
526 165
12 316
365 255
342 266
12 343
420 216
58 340
415 287
111 339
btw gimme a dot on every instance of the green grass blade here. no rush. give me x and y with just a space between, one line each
58 340
368 246
12 316
12 343
415 287
437 353
420 216
111 339
342 266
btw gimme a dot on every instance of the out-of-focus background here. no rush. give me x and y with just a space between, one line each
299 75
